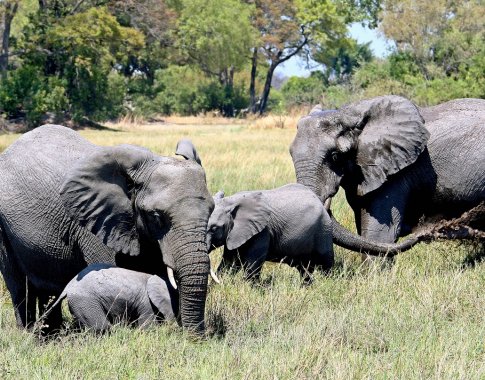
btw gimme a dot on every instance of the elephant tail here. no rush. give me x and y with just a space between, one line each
346 239
39 322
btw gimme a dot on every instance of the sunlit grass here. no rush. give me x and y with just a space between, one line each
423 317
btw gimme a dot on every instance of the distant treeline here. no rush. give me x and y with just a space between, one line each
96 60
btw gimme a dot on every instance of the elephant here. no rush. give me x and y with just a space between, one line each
102 295
400 165
288 224
66 203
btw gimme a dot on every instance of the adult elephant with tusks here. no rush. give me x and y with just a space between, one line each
397 163
66 203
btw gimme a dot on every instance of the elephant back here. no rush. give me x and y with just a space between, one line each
457 150
45 153
33 216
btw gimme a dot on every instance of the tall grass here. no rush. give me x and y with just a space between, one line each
423 317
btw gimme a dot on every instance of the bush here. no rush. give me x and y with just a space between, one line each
299 91
185 91
27 93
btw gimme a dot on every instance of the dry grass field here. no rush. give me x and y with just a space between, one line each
421 318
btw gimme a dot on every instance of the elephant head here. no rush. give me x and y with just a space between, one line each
236 219
363 142
126 195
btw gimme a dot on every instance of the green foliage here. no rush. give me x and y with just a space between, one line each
185 90
342 58
399 74
27 91
100 59
216 34
88 45
69 66
299 91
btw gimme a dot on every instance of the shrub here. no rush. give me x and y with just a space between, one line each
299 91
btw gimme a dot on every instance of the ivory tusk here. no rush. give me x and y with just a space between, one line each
328 204
171 277
214 277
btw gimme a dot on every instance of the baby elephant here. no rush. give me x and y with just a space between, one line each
102 295
288 224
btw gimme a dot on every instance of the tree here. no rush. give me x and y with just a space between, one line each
303 91
216 36
296 27
341 60
441 34
8 10
68 66
156 19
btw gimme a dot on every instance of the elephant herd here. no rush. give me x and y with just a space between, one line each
103 218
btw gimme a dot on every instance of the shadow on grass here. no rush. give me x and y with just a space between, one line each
216 325
476 255
85 124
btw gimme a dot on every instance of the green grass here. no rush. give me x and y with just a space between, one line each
423 317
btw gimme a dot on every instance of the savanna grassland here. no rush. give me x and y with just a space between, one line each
421 318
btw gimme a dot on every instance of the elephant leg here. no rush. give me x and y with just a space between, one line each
382 213
306 269
21 291
88 313
231 260
147 317
254 255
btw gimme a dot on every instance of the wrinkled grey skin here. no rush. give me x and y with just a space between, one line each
395 161
288 224
66 203
102 295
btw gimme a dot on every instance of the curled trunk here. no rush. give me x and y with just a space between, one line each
346 239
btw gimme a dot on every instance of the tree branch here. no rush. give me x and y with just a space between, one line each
76 7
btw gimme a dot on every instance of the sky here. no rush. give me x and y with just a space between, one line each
296 66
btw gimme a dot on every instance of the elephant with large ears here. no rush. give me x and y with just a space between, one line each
288 224
66 203
397 163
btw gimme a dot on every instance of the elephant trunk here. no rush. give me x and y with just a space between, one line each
346 239
309 174
191 265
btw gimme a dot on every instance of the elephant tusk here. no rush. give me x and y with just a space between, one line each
328 204
171 278
214 277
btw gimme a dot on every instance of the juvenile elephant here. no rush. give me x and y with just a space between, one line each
287 224
396 162
66 203
102 295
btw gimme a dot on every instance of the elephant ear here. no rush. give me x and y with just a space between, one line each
251 215
392 138
218 196
99 192
186 149
318 111
159 296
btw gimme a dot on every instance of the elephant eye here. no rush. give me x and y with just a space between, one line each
335 156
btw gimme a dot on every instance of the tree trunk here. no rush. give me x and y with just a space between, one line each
252 84
267 87
226 78
10 11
